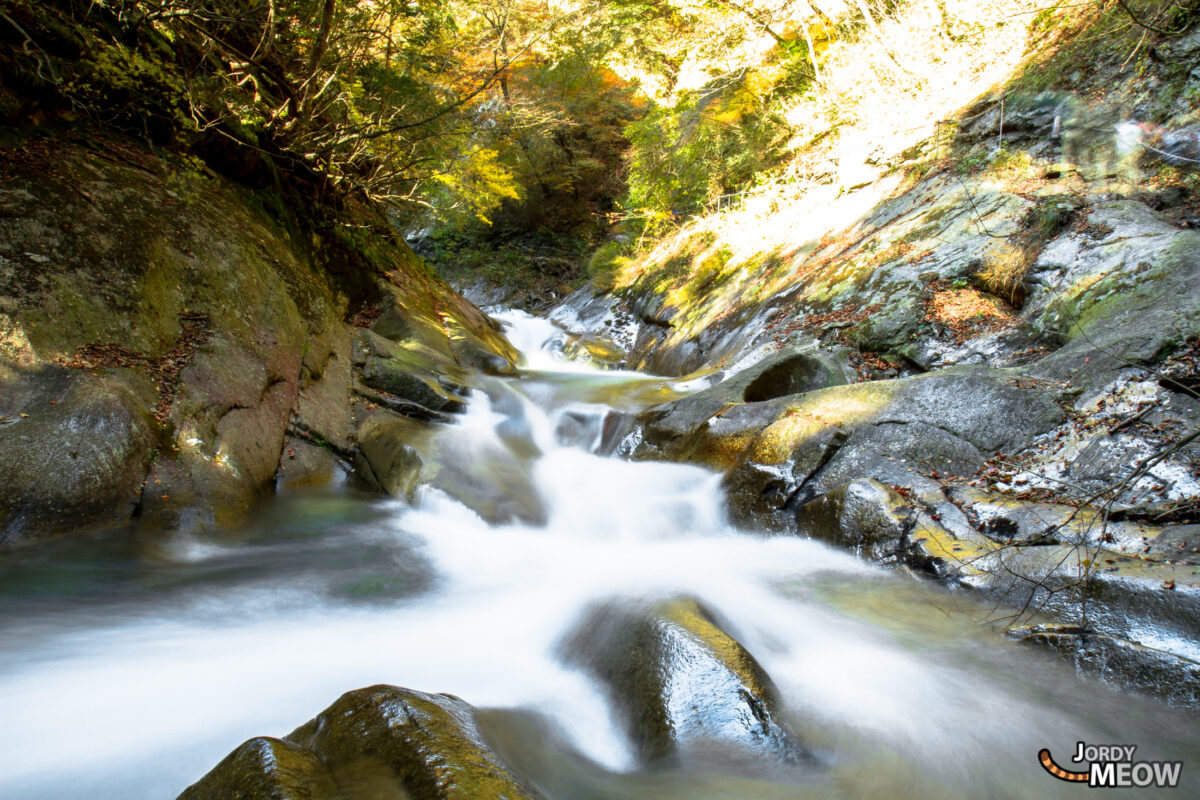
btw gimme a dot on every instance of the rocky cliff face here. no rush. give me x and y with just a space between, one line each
164 341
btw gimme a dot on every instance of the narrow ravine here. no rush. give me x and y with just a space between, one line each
129 668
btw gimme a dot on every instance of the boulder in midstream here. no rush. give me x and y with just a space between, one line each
685 688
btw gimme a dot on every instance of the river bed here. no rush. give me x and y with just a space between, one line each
131 664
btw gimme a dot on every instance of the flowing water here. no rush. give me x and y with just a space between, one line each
129 666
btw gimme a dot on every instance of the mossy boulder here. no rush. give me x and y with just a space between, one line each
412 372
387 460
264 768
381 741
115 260
683 685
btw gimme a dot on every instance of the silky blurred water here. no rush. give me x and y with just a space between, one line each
130 665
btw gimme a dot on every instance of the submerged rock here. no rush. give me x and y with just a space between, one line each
387 461
381 741
1127 664
685 687
398 454
485 476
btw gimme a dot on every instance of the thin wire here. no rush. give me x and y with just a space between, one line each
1169 155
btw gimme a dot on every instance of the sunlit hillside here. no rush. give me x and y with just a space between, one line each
886 107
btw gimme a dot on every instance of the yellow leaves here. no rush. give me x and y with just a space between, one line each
479 182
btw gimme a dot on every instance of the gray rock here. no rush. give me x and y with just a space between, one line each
1180 543
1124 299
1132 666
899 454
792 371
73 448
790 450
1124 596
862 516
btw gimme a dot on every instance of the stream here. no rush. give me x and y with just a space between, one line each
130 665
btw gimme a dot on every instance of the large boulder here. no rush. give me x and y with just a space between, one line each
381 741
685 687
779 454
667 429
73 446
117 262
207 334
397 454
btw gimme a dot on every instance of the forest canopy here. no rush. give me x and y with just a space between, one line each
536 113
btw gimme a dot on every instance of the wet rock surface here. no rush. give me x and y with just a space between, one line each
398 454
685 688
1088 291
783 453
381 741
882 468
73 446
1121 662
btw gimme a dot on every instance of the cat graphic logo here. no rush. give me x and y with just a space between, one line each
1112 765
